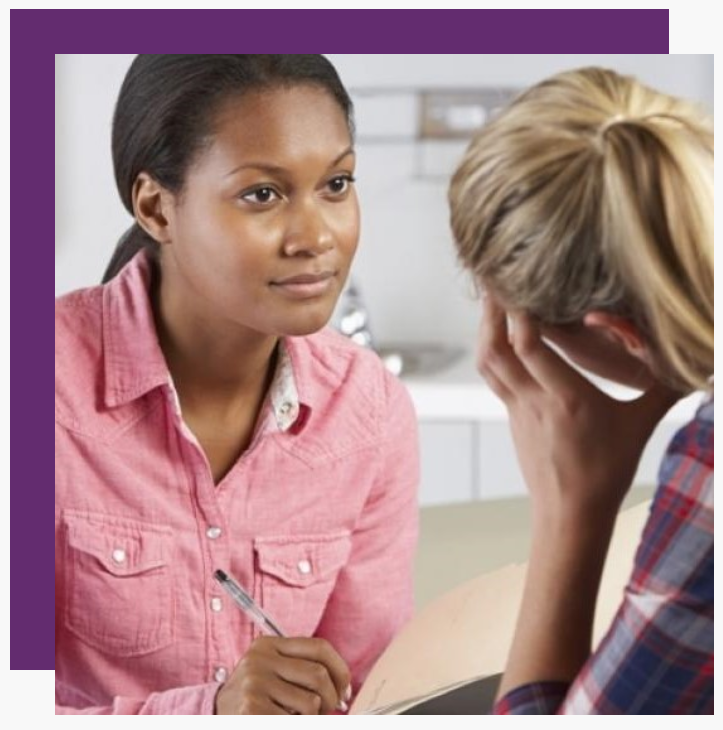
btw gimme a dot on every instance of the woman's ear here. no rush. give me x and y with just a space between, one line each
152 207
619 329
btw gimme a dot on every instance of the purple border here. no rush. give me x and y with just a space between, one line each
35 34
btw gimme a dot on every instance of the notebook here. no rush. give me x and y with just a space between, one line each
449 658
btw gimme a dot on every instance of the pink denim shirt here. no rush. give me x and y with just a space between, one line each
317 519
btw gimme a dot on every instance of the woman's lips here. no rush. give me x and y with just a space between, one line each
305 286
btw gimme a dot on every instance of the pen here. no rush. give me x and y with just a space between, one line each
247 604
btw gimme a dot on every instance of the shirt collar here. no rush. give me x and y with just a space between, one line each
283 394
134 361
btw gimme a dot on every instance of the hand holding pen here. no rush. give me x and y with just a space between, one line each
280 675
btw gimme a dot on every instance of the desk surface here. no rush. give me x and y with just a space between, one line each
460 541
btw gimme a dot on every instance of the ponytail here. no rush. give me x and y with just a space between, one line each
135 239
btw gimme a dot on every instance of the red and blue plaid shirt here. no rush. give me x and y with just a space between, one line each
657 657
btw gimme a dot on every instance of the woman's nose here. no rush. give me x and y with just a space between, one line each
308 232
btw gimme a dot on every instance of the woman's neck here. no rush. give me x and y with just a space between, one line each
211 361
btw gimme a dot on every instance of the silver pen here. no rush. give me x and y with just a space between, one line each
247 604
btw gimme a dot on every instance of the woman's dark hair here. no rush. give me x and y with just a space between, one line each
165 111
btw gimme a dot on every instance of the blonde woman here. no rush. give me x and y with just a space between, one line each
585 213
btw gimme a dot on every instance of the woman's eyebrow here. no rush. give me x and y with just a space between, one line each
278 169
348 151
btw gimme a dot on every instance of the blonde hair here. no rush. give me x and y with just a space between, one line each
594 192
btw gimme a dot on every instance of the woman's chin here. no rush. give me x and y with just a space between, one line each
307 325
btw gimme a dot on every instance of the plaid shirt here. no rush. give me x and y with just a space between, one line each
657 657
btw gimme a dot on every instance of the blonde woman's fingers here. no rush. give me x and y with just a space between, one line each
496 359
540 362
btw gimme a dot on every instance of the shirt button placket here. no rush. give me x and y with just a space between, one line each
213 534
220 674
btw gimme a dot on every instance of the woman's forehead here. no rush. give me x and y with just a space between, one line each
283 122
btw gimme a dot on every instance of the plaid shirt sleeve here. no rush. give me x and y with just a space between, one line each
657 657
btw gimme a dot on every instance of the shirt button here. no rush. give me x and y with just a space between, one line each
213 533
304 567
119 556
216 604
220 674
285 408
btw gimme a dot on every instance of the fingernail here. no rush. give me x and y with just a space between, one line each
343 706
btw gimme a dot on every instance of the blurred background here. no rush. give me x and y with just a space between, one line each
409 300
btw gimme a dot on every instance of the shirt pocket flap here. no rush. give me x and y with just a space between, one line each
121 548
303 560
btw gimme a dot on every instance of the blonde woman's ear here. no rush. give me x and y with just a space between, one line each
620 330
611 349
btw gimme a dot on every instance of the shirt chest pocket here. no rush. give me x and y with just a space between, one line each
296 575
119 588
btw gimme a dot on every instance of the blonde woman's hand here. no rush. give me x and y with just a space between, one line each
286 676
577 447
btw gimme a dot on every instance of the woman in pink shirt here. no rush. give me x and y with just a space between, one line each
205 419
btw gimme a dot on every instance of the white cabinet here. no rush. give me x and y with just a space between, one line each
497 469
498 474
447 461
466 448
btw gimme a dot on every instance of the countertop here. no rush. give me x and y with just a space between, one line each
459 393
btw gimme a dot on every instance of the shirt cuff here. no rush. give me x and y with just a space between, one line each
536 698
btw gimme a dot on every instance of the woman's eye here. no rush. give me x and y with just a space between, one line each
340 184
260 196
